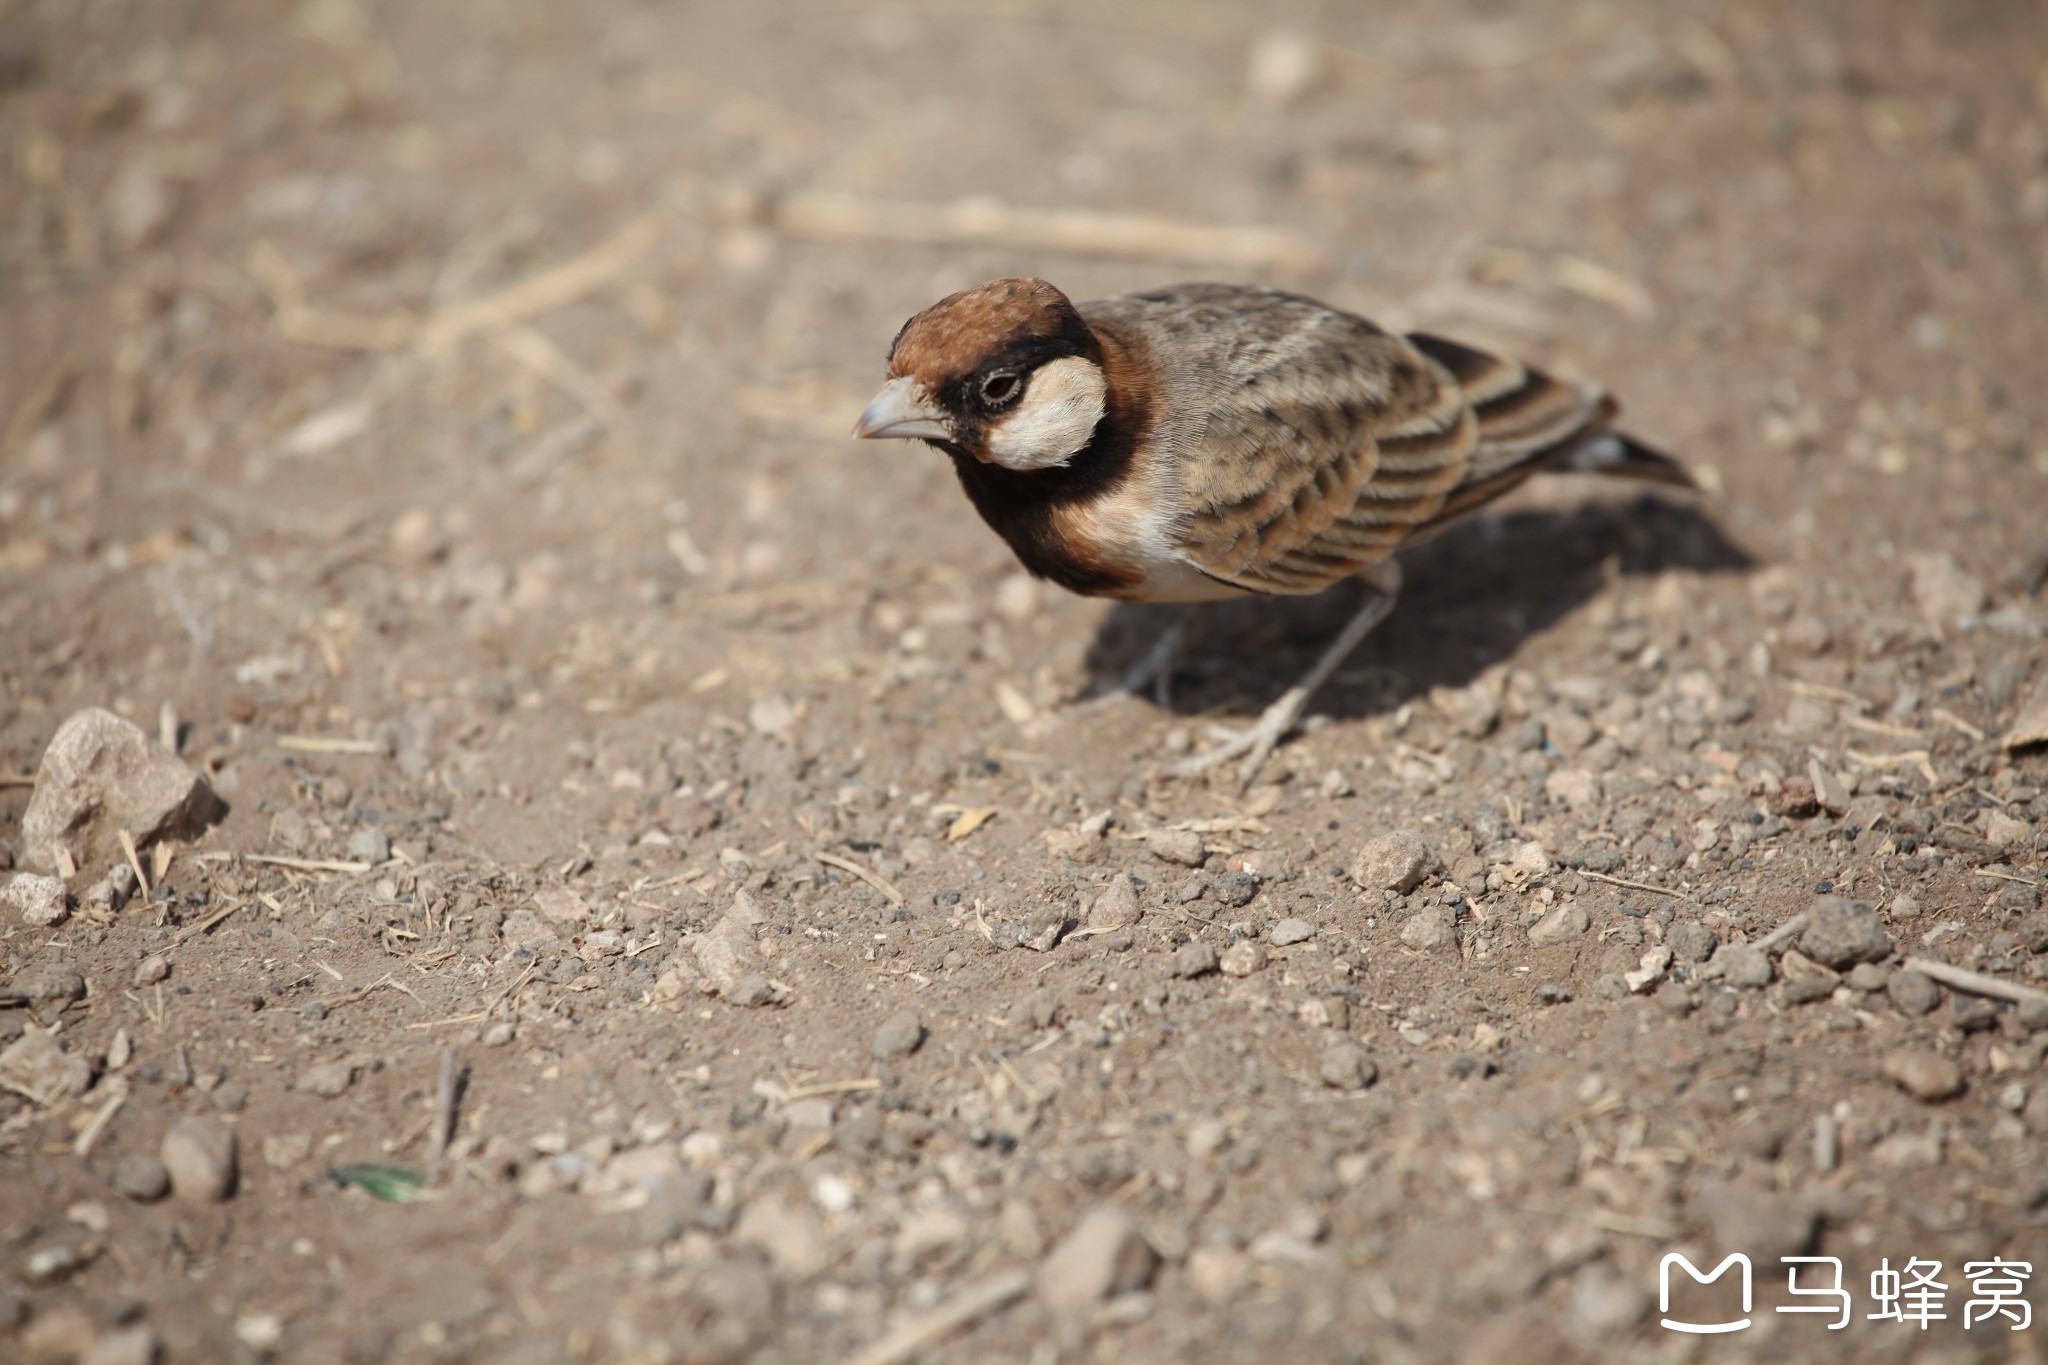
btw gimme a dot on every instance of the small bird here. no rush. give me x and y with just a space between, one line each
1206 442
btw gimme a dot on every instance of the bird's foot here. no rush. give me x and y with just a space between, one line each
1153 671
1253 744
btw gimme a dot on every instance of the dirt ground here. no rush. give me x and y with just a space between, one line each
441 409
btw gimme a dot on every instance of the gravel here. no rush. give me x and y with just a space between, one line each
901 1034
1841 933
1288 932
1392 862
199 1154
1923 1074
1179 846
1104 1255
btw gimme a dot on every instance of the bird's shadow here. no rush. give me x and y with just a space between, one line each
1469 599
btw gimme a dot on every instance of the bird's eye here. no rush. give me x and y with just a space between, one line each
1000 388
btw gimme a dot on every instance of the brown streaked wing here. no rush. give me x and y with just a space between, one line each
1336 440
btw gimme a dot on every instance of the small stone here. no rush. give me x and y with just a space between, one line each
1743 964
901 1034
2032 932
41 902
141 1177
2004 831
1841 933
199 1153
122 1346
282 1151
1649 971
105 897
1180 846
1904 906
751 991
101 774
772 715
1243 958
1104 1255
1196 959
370 845
50 986
1805 990
37 1065
1868 978
1114 906
327 1079
1564 923
561 906
1971 1013
1912 993
1288 932
1346 1065
1690 943
1923 1074
1392 862
727 952
151 970
1947 593
1430 928
1234 889
1761 1222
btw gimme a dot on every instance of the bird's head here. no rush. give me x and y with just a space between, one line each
1006 373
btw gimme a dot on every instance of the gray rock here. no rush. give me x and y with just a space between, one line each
370 845
49 986
1841 933
1923 1074
1290 931
1234 888
1913 993
36 1064
2033 933
1103 1256
105 897
1346 1065
1196 959
102 774
752 990
1243 958
1114 906
1180 846
1805 990
726 953
1564 923
327 1079
199 1152
1429 928
1868 977
122 1346
1762 1223
41 902
901 1034
152 969
1690 942
1743 964
1392 862
141 1177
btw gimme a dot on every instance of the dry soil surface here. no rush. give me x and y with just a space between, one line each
431 418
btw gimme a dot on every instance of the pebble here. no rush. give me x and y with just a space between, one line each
2032 931
1868 977
1182 846
327 1079
105 897
1196 959
1764 1223
726 953
1690 942
2004 831
1290 931
1840 933
282 1151
1805 990
1429 928
901 1034
370 845
1234 889
141 1177
151 970
40 901
1114 906
1564 923
1392 862
101 774
1104 1255
1243 958
1347 1065
1923 1074
1913 993
199 1153
36 1063
50 986
1744 965
123 1346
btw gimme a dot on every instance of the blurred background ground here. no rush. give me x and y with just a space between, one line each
441 410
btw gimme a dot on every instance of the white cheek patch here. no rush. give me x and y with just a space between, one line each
1056 418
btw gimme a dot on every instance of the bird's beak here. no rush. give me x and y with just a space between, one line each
898 411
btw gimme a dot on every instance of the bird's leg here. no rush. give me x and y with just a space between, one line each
1155 669
1256 743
